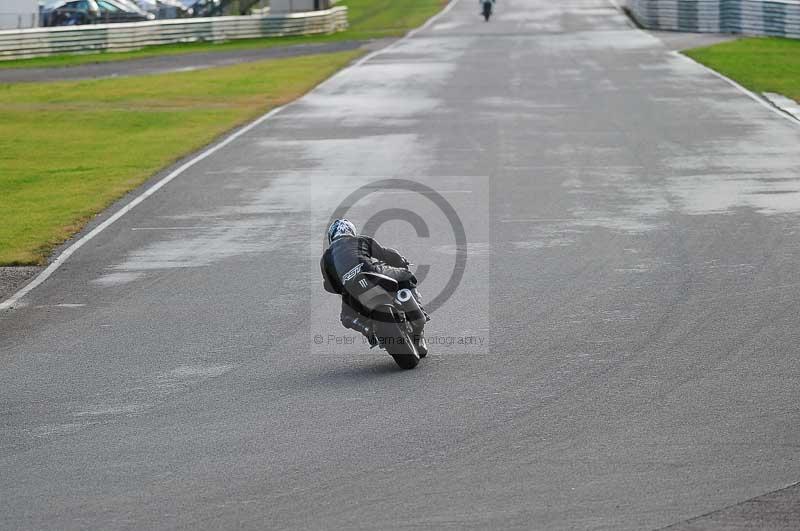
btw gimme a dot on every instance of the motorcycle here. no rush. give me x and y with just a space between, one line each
396 318
487 9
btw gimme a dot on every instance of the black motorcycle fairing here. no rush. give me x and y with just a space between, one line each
349 255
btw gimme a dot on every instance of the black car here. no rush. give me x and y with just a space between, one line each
76 12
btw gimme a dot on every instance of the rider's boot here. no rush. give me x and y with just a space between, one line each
422 345
361 325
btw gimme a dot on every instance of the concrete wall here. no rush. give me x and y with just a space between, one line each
18 44
17 14
779 18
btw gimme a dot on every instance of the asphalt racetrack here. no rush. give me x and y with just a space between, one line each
614 343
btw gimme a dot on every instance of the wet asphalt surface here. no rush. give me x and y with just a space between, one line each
620 353
172 63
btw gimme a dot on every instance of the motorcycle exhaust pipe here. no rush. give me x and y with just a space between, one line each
408 303
404 295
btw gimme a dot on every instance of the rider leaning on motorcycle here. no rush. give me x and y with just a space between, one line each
349 254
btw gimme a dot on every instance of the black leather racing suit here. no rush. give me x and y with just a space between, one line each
345 254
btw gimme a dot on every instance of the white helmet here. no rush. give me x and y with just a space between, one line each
341 227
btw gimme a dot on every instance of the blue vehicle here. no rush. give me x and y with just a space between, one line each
78 12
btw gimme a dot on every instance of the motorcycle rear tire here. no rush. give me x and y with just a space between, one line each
399 343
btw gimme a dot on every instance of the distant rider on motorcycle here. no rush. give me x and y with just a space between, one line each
348 255
487 6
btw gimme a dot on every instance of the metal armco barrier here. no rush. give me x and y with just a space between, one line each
20 44
778 18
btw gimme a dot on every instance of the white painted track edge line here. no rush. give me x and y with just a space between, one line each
749 93
69 251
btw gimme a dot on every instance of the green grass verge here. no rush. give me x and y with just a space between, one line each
369 19
761 64
69 149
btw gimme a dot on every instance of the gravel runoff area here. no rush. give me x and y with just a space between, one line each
14 278
177 62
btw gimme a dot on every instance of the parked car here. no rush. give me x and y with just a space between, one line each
203 8
69 12
122 11
75 12
165 8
